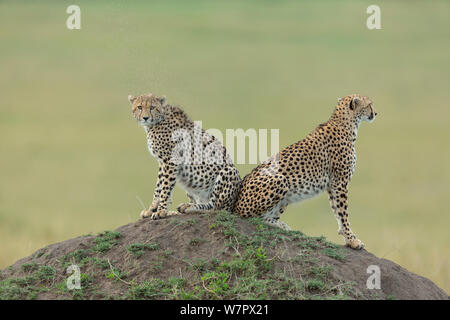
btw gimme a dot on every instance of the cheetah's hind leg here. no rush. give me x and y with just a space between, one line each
272 217
183 206
196 208
275 222
193 207
214 202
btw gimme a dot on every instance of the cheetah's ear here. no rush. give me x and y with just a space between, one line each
162 100
339 100
131 98
354 102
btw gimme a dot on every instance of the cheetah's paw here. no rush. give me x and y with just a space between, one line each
159 214
182 207
284 226
154 215
355 244
146 213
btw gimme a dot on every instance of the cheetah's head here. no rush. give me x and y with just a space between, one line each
360 107
147 108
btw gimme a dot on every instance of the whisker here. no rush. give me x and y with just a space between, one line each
140 201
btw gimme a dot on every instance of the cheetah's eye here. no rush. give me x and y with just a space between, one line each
139 107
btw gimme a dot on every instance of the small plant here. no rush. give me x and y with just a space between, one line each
45 273
216 282
160 289
196 241
191 221
138 249
335 253
28 267
199 265
259 257
116 273
101 263
86 280
314 284
78 256
156 266
321 272
177 286
238 266
105 241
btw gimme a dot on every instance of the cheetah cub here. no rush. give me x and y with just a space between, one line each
324 160
187 155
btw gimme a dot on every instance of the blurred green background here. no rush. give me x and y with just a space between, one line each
74 161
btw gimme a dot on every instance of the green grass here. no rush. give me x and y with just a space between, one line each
73 159
248 267
250 274
159 289
336 253
138 249
28 286
105 241
116 274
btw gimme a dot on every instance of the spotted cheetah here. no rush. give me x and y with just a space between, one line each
187 155
324 160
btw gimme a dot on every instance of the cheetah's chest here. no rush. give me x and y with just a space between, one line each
150 147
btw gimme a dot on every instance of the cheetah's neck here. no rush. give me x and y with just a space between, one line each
347 124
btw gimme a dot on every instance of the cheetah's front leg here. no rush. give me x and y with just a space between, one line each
156 194
163 192
338 200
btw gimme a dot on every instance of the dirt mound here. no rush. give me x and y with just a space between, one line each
208 257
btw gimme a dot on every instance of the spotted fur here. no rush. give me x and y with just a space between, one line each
187 155
323 161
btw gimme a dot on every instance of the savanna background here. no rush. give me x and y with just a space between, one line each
74 161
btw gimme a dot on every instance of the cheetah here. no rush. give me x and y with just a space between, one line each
188 155
324 160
